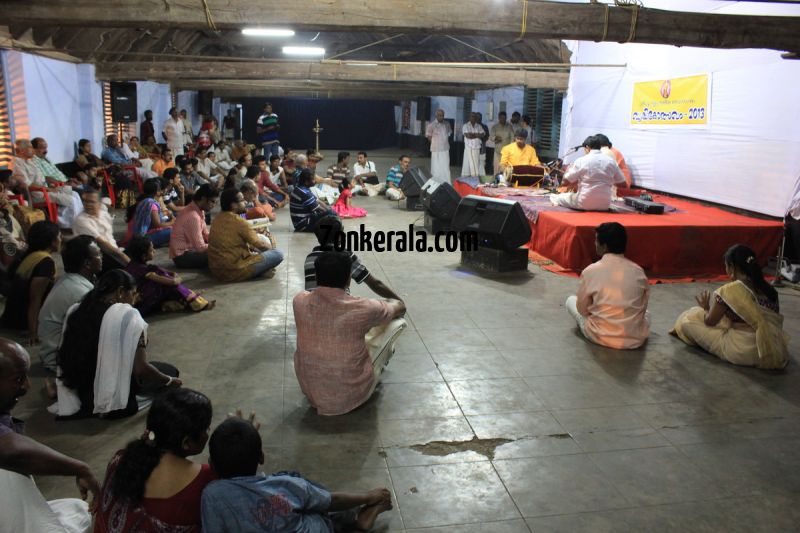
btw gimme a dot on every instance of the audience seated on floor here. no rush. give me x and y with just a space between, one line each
188 243
147 217
268 190
294 503
395 176
741 321
159 289
611 305
96 222
24 508
151 486
595 175
32 277
305 208
207 168
325 231
83 261
102 360
190 179
164 162
255 208
366 175
223 156
343 342
277 175
344 204
235 251
150 147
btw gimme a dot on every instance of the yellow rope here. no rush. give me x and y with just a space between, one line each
634 6
605 24
524 26
209 20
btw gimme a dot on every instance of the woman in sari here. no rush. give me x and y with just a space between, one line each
147 216
159 289
31 279
151 486
102 360
740 322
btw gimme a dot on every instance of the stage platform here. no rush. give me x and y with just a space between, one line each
686 243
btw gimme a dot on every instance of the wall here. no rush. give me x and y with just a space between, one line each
155 97
748 155
188 100
64 103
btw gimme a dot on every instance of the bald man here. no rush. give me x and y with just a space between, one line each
24 507
438 133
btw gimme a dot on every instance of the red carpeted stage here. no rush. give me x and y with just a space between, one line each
687 243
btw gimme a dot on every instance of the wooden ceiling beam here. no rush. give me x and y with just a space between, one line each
553 20
178 70
395 90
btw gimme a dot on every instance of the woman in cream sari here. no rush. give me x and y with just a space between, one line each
741 322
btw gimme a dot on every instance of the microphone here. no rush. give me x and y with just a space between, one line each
577 148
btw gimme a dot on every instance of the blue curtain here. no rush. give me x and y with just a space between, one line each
351 124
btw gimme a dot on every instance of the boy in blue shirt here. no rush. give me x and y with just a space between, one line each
243 501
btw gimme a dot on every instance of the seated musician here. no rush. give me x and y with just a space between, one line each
607 148
516 154
595 175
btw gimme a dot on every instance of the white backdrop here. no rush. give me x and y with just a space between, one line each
749 157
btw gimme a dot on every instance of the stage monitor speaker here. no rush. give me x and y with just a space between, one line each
424 108
204 102
413 180
123 102
440 199
500 224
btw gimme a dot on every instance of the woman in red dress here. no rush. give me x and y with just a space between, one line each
151 486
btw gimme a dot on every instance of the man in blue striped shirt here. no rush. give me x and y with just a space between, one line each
305 208
394 177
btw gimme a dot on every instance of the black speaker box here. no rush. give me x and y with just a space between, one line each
123 102
204 102
500 224
413 180
424 108
440 199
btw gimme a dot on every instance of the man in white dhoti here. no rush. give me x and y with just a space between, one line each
473 133
173 132
23 508
438 133
596 174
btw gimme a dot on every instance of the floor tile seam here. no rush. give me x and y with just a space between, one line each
394 489
508 492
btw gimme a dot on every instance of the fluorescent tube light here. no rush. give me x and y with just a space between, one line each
268 32
303 51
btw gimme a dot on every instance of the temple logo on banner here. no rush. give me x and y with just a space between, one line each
673 102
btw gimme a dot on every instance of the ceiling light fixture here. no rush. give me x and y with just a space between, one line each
303 51
361 64
268 32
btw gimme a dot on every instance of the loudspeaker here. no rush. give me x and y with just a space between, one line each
204 102
424 108
413 180
440 199
500 224
123 102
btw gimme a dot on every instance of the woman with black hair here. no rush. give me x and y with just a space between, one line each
151 486
147 218
159 288
102 360
32 278
741 323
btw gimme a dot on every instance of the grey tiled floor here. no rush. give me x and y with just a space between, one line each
663 438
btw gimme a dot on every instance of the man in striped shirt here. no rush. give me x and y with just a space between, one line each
305 208
267 130
326 231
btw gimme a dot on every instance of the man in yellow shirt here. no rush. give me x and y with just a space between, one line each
518 153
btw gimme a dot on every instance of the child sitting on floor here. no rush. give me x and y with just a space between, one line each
159 289
242 500
344 205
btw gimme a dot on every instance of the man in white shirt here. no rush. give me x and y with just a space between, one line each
438 133
596 175
366 174
207 168
223 158
501 135
188 129
96 222
173 132
473 135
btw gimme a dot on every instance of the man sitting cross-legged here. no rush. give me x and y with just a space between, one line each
244 500
611 304
96 222
339 365
595 175
326 231
188 244
24 507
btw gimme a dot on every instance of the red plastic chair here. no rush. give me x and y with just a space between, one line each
136 177
19 198
109 186
45 204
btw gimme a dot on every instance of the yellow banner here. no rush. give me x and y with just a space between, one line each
672 102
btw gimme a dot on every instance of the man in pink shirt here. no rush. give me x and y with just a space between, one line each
343 342
188 244
611 305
